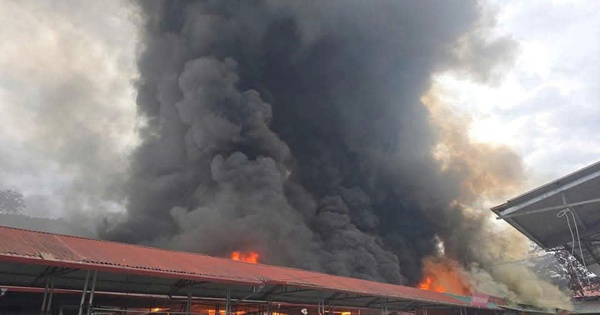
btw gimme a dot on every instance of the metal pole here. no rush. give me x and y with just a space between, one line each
87 279
91 300
228 301
51 294
45 296
384 308
188 304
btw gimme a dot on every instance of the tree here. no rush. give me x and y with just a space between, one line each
11 201
564 270
581 280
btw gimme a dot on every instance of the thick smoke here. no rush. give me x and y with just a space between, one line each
296 129
491 259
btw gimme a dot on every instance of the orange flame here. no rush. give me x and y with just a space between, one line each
250 257
444 275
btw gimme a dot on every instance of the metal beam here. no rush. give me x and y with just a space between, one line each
401 302
578 220
45 295
331 297
91 300
347 297
52 271
550 193
373 301
49 305
83 292
562 238
411 305
384 308
228 300
295 291
176 286
254 291
559 207
188 303
270 291
526 233
586 244
44 273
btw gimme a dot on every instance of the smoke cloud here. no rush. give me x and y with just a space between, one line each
297 129
492 259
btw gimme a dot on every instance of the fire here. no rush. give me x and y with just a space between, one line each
444 275
250 257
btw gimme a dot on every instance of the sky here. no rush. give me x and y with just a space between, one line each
67 96
546 106
67 100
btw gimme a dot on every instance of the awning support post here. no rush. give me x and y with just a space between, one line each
83 292
321 304
188 303
45 297
384 308
51 294
228 301
91 299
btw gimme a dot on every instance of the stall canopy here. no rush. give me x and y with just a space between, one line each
28 259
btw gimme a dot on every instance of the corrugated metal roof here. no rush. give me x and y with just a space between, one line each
32 247
538 214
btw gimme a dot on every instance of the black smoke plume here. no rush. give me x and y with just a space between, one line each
296 129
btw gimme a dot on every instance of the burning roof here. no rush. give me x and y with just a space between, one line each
43 249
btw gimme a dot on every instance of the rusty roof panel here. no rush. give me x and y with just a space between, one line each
76 252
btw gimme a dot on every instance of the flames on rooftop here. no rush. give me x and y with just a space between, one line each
444 275
249 257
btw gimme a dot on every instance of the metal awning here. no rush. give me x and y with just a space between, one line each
32 260
541 214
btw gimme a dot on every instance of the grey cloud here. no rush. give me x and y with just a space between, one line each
66 86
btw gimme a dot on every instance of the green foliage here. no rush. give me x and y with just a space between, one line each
11 201
564 270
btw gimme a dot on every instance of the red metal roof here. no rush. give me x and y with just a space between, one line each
32 247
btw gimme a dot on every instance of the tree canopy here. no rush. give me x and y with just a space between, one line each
11 201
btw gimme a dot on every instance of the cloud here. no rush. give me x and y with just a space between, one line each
556 78
68 122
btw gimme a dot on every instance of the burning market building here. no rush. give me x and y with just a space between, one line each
56 274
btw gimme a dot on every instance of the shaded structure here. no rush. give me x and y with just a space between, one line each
71 275
561 214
